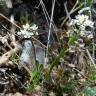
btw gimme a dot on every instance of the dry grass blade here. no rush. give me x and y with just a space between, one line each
5 57
47 15
72 11
2 16
90 57
50 27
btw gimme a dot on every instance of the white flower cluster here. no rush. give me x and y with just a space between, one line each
28 31
83 21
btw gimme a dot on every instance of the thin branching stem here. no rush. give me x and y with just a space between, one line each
44 10
72 11
50 27
68 15
47 15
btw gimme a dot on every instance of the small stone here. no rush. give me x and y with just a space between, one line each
18 94
52 94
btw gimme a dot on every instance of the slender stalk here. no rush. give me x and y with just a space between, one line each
90 57
85 3
49 33
1 15
93 32
47 15
72 11
68 15
44 10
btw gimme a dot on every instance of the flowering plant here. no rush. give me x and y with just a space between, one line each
80 30
28 31
84 24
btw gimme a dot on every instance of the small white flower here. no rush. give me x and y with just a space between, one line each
73 22
90 36
82 27
18 33
81 19
87 34
27 26
88 23
34 27
25 32
31 33
29 36
25 36
36 33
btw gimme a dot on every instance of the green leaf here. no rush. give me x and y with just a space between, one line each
72 40
61 54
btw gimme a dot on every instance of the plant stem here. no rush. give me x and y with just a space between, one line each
49 33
